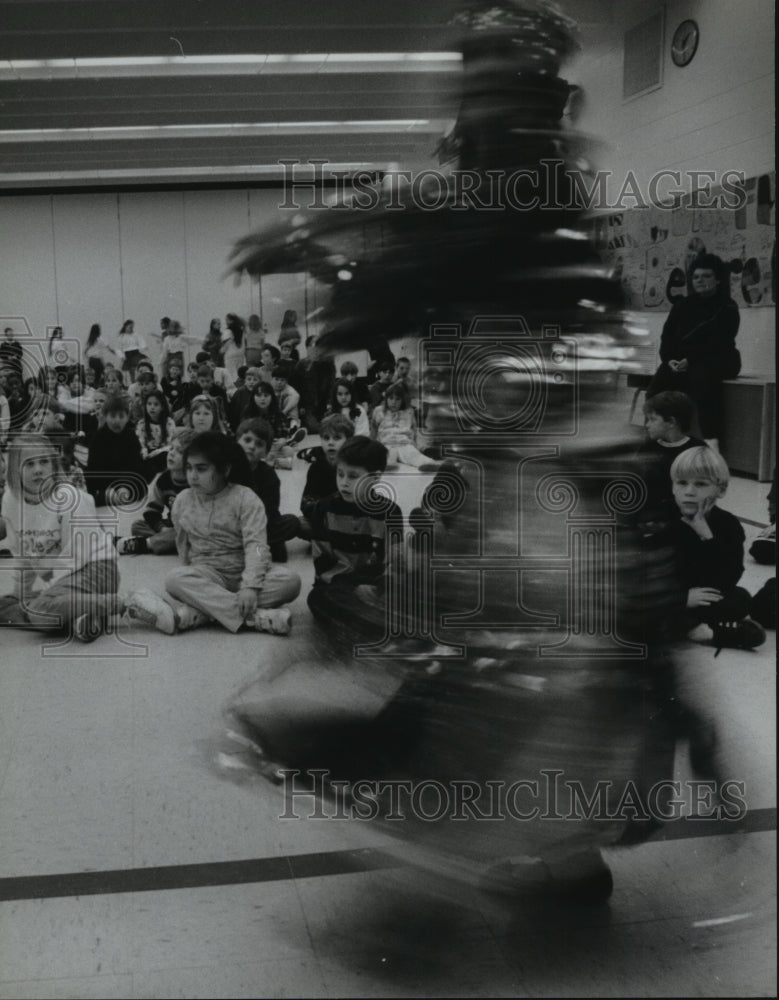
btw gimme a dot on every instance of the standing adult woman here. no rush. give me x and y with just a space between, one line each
698 344
61 355
97 352
233 349
213 342
254 340
289 332
131 346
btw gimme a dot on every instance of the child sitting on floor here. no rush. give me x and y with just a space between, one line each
66 575
153 532
255 436
205 415
287 398
321 478
395 426
154 432
115 467
668 417
221 537
352 532
708 545
342 401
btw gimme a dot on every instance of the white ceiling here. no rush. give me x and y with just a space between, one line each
134 92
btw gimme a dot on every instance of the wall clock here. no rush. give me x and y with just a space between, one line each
685 43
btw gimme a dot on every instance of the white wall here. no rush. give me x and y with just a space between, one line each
72 260
715 114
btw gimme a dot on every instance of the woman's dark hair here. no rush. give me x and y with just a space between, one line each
236 326
721 271
127 322
94 335
290 318
222 452
275 353
335 406
163 424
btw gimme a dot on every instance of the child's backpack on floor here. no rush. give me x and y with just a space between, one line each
763 606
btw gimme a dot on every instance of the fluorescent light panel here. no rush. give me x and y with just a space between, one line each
232 65
227 130
271 171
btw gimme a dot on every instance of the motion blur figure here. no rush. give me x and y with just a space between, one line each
521 643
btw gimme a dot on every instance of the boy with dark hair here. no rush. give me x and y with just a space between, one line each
269 357
115 461
384 372
287 398
255 436
153 532
243 396
221 376
177 392
352 532
708 545
668 417
351 373
321 479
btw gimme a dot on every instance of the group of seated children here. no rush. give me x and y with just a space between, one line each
217 505
204 507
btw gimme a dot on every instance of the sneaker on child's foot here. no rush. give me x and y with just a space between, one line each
149 608
278 621
132 546
307 454
745 634
297 437
89 626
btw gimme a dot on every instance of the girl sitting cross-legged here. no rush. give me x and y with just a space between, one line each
66 575
395 426
221 537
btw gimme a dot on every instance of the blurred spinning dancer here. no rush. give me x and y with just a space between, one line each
520 655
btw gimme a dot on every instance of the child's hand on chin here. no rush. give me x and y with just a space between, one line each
697 520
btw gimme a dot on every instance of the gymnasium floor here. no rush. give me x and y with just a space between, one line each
138 858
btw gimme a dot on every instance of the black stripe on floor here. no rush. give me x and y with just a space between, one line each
294 865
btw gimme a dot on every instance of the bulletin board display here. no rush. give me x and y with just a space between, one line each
651 248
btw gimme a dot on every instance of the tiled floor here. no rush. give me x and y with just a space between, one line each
111 762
